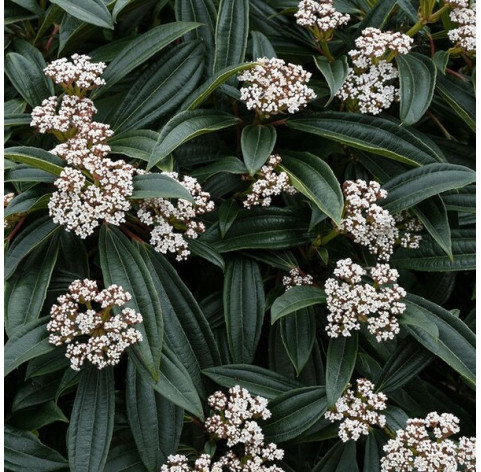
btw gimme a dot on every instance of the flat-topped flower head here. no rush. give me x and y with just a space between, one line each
320 16
234 420
358 411
80 72
273 87
81 205
83 320
174 221
464 35
424 445
296 278
351 302
269 183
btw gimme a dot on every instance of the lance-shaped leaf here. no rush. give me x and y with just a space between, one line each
140 50
311 176
257 143
416 185
36 157
159 185
186 126
417 78
340 361
122 264
155 422
335 73
92 420
295 299
340 458
231 33
94 12
137 143
370 133
244 306
32 199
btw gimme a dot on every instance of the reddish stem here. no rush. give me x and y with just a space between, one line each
456 74
433 47
50 41
131 235
16 229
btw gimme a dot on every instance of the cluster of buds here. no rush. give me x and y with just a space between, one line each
83 320
234 420
369 83
273 87
320 17
372 226
464 17
424 445
78 75
351 302
175 221
358 411
7 198
93 188
295 278
268 184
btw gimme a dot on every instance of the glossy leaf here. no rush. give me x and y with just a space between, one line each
244 306
35 157
185 126
92 421
335 73
311 176
257 143
369 133
340 362
295 299
159 185
417 78
137 144
91 11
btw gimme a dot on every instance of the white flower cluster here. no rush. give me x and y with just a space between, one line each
79 73
7 198
320 15
269 184
83 320
408 226
94 188
351 302
295 278
174 221
274 87
358 411
234 420
369 83
465 34
424 446
369 224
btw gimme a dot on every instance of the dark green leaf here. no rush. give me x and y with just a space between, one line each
137 144
122 264
231 31
229 164
92 420
369 133
311 176
159 185
91 11
257 143
187 125
141 49
24 451
335 73
27 342
340 362
417 77
294 412
25 292
340 458
32 199
295 299
416 185
256 380
244 306
35 157
155 422
228 212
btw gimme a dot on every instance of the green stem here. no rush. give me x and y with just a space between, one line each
329 236
326 51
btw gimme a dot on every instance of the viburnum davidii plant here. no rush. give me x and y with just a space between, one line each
239 235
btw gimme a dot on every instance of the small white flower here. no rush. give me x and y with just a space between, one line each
272 87
465 34
320 14
295 278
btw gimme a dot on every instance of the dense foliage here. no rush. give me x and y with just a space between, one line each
269 206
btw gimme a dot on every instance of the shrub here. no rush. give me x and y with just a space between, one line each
239 235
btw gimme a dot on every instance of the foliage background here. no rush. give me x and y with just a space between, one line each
216 307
